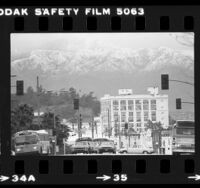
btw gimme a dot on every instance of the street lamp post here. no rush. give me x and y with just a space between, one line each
54 127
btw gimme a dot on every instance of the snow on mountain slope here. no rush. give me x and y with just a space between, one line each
99 59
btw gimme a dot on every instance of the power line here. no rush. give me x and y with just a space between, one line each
189 83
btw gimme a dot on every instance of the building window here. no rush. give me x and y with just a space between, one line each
116 117
153 116
138 125
138 116
138 104
123 116
131 125
145 105
123 127
153 104
130 105
105 105
146 116
115 105
130 117
123 105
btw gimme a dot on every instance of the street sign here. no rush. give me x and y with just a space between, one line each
125 91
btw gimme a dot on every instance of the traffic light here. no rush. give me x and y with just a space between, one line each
76 104
19 87
178 103
80 121
54 132
126 125
164 81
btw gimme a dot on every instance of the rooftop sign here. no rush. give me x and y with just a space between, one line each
125 91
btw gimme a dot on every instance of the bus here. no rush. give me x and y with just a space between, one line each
27 142
44 141
183 135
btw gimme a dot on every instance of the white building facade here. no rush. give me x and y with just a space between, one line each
134 110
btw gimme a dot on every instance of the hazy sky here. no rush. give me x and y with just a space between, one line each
28 42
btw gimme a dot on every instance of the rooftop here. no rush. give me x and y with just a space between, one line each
134 96
128 93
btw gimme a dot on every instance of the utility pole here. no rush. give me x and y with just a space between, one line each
92 123
120 135
108 123
92 128
54 127
76 107
95 123
38 101
79 125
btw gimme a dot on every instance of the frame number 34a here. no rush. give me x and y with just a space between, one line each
23 178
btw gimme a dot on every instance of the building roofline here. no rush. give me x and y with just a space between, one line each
138 96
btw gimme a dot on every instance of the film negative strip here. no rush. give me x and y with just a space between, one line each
99 94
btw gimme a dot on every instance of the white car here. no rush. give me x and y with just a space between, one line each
137 149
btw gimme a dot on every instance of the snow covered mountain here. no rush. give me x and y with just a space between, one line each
103 60
106 69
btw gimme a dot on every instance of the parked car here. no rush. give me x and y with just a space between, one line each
137 149
99 140
84 139
81 147
107 146
94 147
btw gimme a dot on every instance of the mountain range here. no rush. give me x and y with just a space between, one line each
105 70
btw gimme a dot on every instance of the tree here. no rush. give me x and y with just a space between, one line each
89 101
30 97
157 126
61 131
48 121
73 93
21 118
